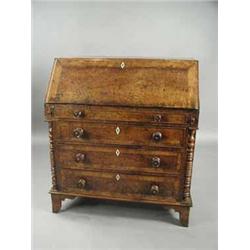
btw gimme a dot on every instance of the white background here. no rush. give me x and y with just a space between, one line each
153 29
234 81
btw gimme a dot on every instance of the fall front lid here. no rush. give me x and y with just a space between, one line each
125 82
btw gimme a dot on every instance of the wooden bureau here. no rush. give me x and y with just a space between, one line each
123 129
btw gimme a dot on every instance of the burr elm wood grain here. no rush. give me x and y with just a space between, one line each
121 185
139 161
95 133
141 82
88 113
123 129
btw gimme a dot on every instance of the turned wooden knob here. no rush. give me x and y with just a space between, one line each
156 162
157 136
78 114
157 118
78 133
81 183
79 157
154 189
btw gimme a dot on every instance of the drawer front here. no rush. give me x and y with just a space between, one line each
118 159
122 134
95 113
120 185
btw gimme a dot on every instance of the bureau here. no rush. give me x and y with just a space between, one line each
123 129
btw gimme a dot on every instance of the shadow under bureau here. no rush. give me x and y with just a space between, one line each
123 129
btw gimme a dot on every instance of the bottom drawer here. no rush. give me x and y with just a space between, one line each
135 187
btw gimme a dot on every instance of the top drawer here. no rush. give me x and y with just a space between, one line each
97 113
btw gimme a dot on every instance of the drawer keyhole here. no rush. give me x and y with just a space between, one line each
117 152
117 177
117 130
122 65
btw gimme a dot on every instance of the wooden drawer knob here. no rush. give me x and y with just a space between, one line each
81 183
154 189
79 157
78 133
157 136
156 162
157 118
78 114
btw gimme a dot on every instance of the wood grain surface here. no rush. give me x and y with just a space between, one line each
123 129
146 83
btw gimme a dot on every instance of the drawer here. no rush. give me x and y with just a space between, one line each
123 134
96 113
118 159
120 185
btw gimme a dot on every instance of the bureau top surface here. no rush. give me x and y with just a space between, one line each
125 82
